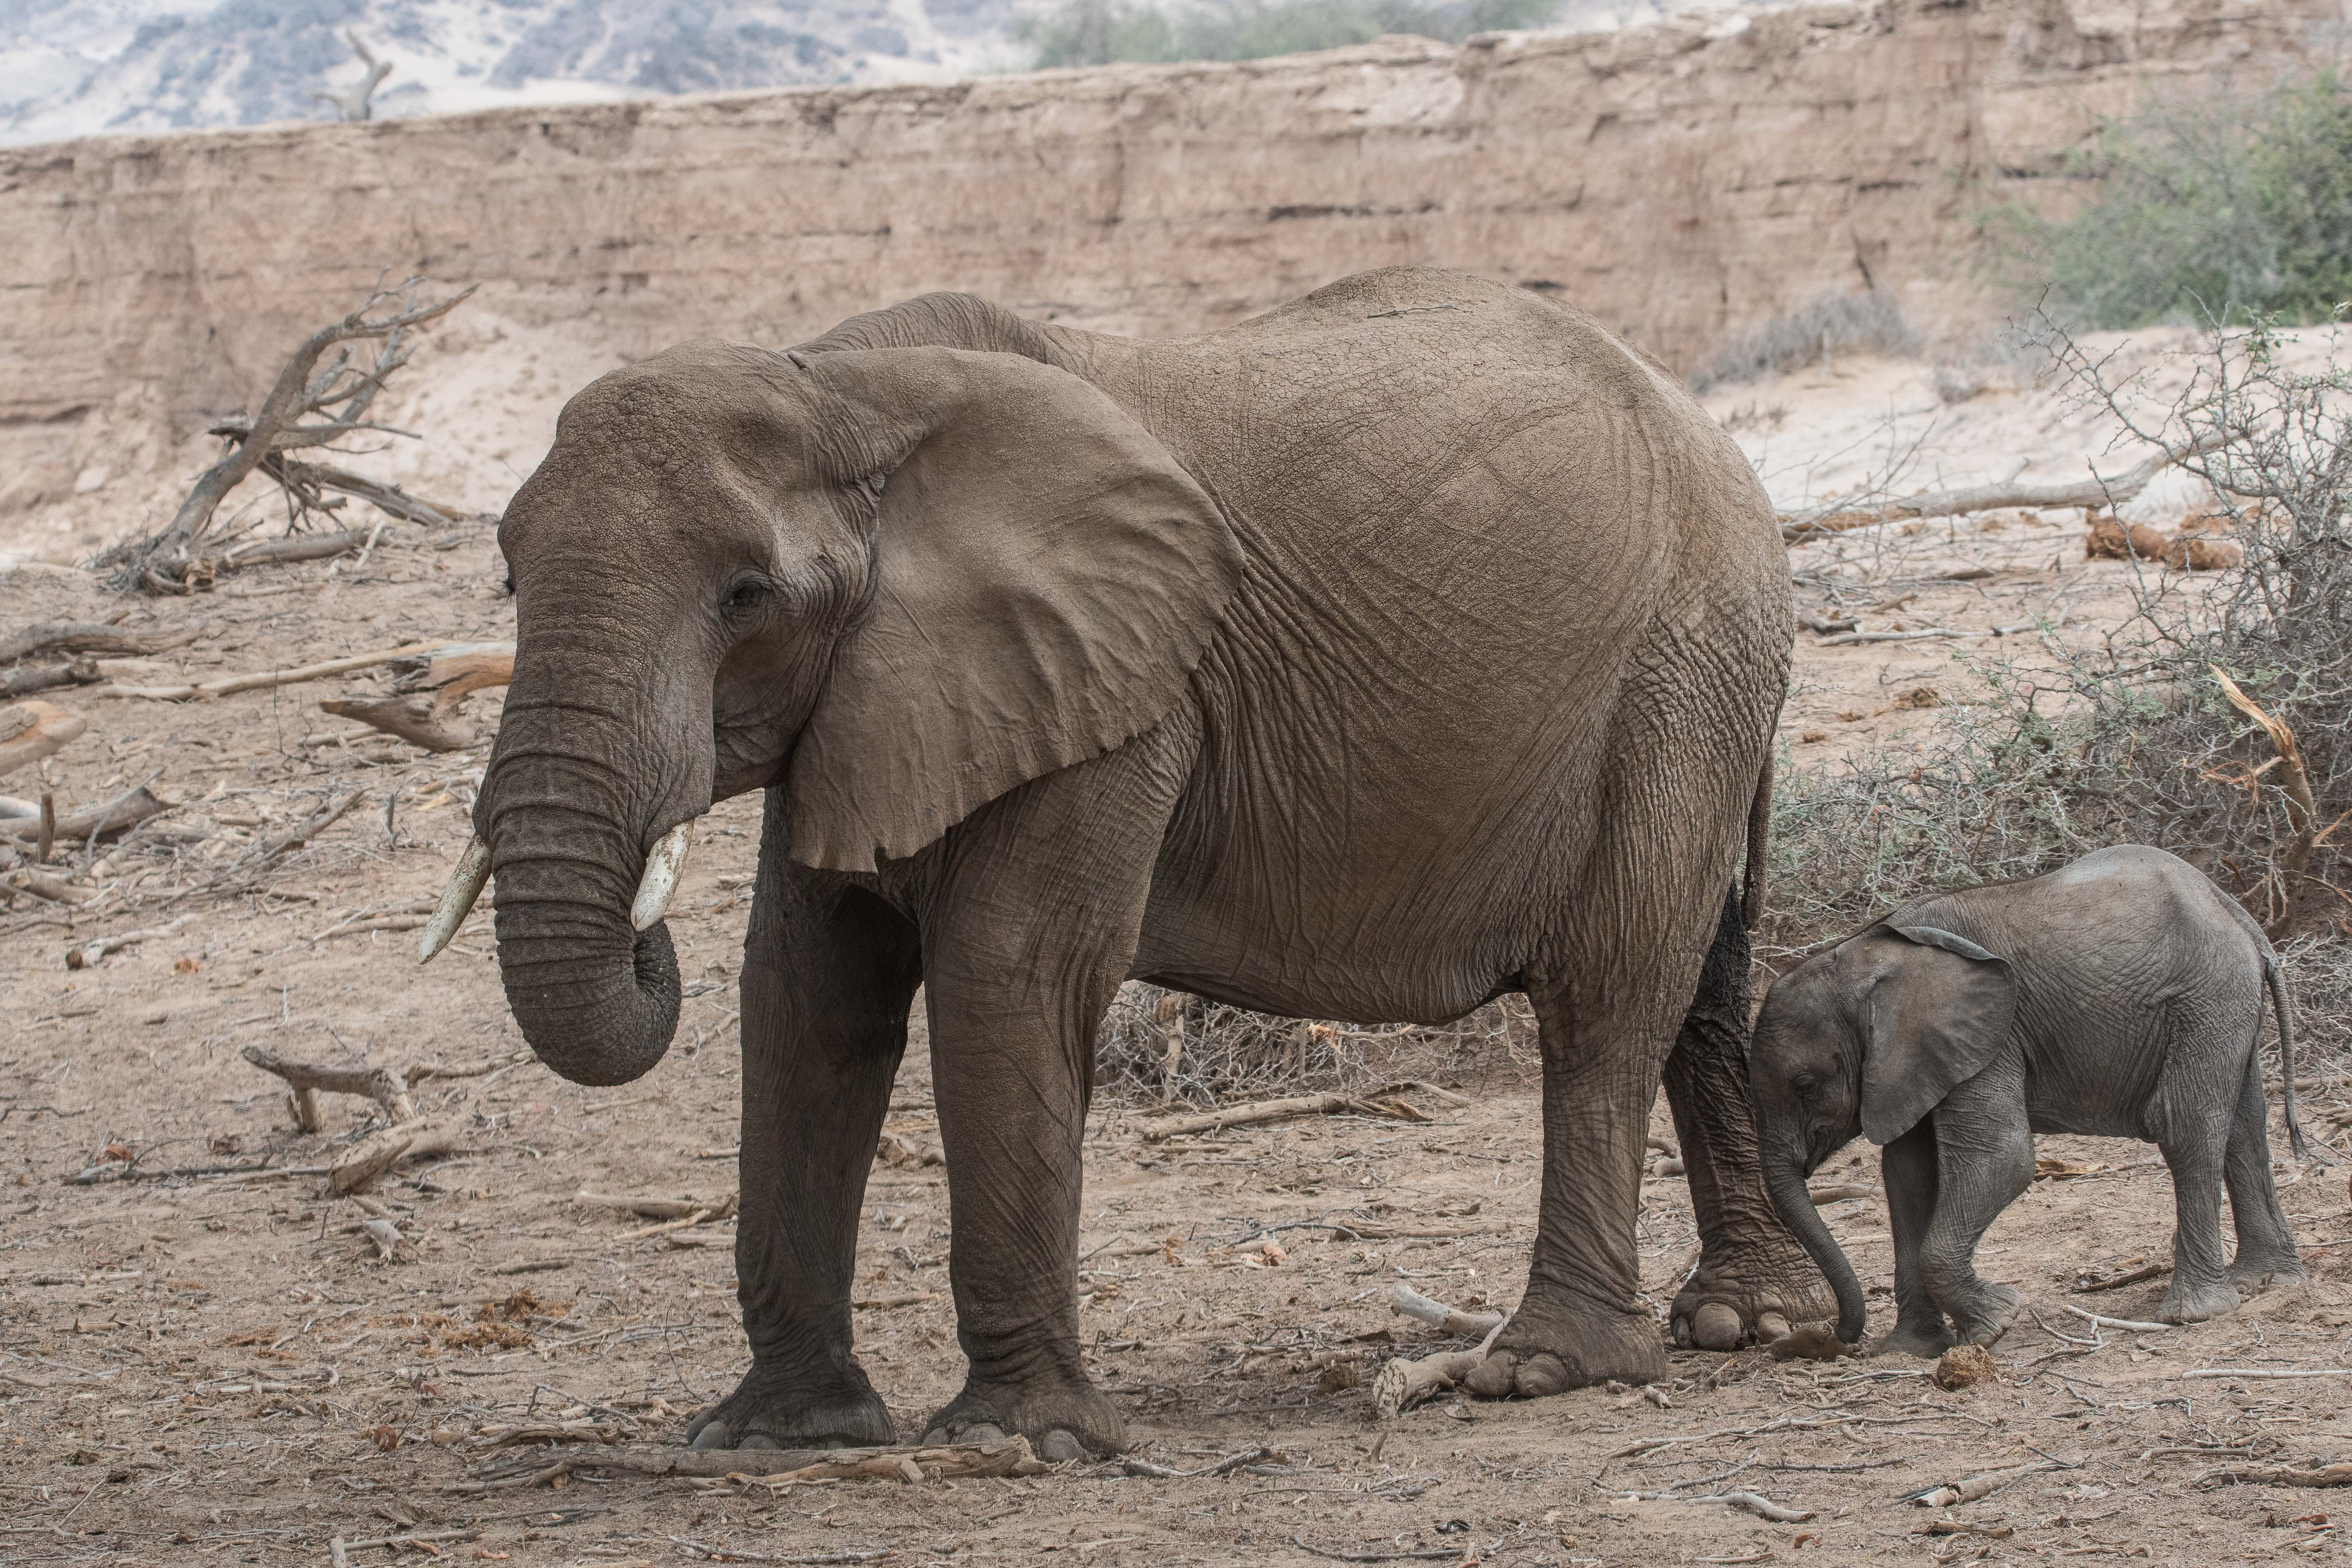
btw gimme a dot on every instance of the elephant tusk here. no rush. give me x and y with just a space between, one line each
456 900
663 868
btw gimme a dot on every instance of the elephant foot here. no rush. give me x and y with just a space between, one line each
1749 1293
2253 1273
1987 1317
771 1411
1550 1349
1063 1421
2186 1303
1926 1341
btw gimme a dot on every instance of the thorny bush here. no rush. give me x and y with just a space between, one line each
2132 739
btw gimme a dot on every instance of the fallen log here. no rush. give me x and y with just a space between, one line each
31 677
42 886
2336 1475
90 636
113 819
2093 492
32 729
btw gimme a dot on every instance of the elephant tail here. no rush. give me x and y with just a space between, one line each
1759 831
2274 975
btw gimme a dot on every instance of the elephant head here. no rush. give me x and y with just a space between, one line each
893 583
1867 1038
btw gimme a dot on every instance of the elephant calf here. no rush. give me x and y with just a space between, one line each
2121 996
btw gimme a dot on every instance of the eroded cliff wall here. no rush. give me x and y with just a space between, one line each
1676 181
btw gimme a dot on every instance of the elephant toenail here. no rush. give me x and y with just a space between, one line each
1060 1448
981 1432
1771 1326
759 1440
1716 1327
1491 1378
713 1436
936 1435
1542 1375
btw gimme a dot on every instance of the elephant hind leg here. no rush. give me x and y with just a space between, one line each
2265 1243
1753 1276
1582 1318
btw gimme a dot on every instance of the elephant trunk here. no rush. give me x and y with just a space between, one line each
1784 1179
596 998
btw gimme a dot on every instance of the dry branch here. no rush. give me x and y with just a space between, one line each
1412 1304
373 1156
294 547
229 685
649 1208
83 955
2126 1324
117 816
174 561
913 1466
32 729
2302 810
2339 1475
428 688
2091 492
1746 1502
1839 1192
415 720
1401 1383
306 1079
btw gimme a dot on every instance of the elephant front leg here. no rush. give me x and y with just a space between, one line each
1033 924
1753 1276
827 980
1984 1160
1907 1167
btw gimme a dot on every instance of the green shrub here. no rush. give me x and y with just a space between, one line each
2213 205
1100 32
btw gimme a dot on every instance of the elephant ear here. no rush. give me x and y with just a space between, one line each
1046 576
1940 1010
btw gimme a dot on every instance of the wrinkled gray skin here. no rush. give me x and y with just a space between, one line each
1408 646
2121 997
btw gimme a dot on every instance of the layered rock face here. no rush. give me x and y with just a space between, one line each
1677 181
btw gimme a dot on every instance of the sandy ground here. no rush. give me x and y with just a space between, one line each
217 1367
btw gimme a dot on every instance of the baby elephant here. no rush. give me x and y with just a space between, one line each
2121 996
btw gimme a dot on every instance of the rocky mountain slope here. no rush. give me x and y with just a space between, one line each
76 68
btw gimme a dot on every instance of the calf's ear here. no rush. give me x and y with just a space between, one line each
1938 1010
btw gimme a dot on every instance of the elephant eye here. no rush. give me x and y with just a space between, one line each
747 594
1803 1083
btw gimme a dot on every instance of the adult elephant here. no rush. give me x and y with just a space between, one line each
1412 643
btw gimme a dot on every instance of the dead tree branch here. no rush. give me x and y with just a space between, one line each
2091 492
175 560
